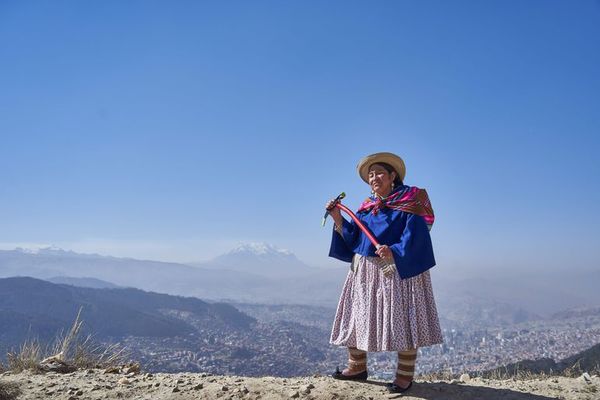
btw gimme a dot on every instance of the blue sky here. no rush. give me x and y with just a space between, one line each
173 130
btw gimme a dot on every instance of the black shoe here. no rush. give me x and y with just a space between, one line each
393 388
362 376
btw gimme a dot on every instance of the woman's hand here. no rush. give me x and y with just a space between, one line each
384 251
334 212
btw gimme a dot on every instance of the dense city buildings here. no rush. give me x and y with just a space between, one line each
276 346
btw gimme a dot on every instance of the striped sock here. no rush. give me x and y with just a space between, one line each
406 366
357 360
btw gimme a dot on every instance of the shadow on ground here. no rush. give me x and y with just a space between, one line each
446 391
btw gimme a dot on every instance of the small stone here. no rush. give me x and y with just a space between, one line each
79 393
135 368
224 388
454 382
56 366
294 395
176 389
157 384
465 378
198 386
310 386
245 390
306 389
586 377
124 381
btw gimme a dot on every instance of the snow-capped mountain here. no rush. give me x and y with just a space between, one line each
53 251
260 249
262 258
42 249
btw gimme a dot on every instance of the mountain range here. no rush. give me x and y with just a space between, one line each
260 258
252 277
263 273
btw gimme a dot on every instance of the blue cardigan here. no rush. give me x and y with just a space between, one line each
406 234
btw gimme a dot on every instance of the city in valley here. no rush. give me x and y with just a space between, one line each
277 346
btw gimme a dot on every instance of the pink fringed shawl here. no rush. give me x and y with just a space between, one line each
412 200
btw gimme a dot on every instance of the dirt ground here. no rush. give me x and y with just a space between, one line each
95 384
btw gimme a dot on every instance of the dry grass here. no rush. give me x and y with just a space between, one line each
27 357
575 370
443 375
88 354
502 375
69 348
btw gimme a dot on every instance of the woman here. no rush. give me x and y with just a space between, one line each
387 300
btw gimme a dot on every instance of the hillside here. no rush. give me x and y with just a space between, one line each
95 385
32 308
587 360
166 333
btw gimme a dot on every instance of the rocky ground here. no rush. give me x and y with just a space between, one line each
96 384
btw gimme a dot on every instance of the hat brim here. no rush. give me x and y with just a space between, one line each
389 158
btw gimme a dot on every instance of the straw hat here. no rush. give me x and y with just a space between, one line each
389 158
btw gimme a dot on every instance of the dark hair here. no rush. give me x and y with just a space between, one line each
390 169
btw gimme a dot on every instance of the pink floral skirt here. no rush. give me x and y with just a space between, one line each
379 313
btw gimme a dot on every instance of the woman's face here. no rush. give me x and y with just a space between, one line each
380 180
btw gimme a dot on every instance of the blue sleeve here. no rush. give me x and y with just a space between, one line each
342 245
414 253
